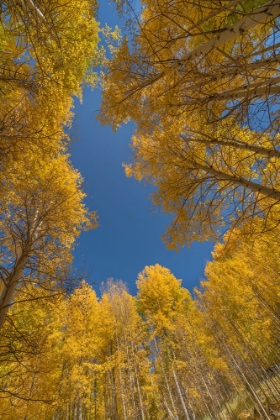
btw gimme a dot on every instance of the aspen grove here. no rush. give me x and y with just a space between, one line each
200 81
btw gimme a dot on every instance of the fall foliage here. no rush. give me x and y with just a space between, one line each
200 80
161 354
41 199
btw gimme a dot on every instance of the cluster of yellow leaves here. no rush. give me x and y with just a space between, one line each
206 182
49 53
158 355
192 84
242 293
157 75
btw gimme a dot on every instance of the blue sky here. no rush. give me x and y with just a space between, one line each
128 237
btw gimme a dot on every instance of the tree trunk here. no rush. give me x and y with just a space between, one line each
253 186
10 285
256 17
235 144
180 394
251 91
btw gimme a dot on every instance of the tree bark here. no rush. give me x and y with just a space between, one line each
253 186
265 88
10 285
269 153
256 17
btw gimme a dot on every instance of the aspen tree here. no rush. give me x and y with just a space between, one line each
161 299
41 214
206 187
130 358
199 80
79 353
48 54
192 57
30 354
242 282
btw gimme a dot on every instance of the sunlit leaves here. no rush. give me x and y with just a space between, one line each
199 80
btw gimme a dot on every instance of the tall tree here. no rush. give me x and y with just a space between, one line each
196 56
78 351
208 187
49 52
241 305
30 354
184 363
199 79
127 382
41 214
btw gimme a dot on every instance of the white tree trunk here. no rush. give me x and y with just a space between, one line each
267 87
180 395
256 17
31 6
236 70
253 186
235 144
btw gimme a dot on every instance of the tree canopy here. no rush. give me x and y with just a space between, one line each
162 354
200 81
49 52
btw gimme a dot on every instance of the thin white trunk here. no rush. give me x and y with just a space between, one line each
251 91
166 383
171 416
249 387
28 4
137 382
132 375
121 384
180 395
272 47
207 140
128 362
237 70
256 17
253 186
140 399
267 87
